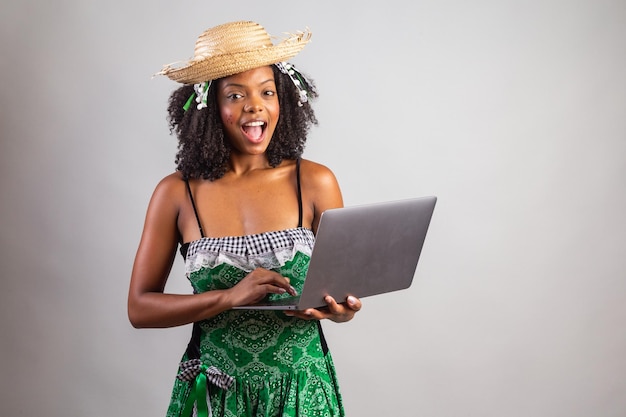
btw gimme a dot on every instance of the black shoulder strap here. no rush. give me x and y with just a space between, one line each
193 204
299 192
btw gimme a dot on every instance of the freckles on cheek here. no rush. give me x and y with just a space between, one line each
227 119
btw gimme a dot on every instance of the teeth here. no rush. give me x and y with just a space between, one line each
254 124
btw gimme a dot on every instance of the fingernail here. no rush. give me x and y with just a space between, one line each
293 290
351 300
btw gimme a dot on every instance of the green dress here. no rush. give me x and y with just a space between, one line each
280 365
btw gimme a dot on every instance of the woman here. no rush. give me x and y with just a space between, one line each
244 208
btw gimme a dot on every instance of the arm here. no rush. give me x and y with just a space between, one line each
148 306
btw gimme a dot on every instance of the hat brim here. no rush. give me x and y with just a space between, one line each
224 65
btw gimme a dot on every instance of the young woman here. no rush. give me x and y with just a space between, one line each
244 208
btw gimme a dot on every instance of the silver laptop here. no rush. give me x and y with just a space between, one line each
362 250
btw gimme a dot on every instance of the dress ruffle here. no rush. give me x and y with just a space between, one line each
268 250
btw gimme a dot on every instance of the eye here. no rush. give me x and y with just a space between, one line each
234 96
270 93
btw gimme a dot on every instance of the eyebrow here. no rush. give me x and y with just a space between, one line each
243 86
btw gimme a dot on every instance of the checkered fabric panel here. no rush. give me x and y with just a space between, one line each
252 245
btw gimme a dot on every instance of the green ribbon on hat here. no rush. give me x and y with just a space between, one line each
189 101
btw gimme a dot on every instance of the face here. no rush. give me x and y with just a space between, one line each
249 109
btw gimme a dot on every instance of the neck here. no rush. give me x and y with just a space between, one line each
244 164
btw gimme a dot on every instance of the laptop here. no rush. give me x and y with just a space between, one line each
362 251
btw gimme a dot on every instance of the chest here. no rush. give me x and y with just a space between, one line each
235 208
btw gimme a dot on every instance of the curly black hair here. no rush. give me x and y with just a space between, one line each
204 151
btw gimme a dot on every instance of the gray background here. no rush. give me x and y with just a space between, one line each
511 112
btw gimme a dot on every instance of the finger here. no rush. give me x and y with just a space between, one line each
273 289
291 290
315 314
274 283
354 303
333 307
302 314
283 282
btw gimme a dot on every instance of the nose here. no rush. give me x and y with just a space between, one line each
253 105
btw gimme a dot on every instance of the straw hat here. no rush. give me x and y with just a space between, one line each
233 48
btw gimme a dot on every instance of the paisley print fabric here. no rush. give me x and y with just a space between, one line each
280 364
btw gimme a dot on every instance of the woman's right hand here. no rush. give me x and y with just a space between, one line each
256 285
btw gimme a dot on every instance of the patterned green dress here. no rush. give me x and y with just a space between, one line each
280 364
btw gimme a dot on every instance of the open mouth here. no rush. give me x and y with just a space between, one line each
254 130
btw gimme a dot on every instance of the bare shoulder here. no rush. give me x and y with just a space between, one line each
317 176
320 189
170 189
172 182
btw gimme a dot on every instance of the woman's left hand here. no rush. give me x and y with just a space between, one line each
337 312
